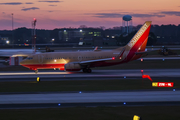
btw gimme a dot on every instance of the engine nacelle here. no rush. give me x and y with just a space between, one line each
72 67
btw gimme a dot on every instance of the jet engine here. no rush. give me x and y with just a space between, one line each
72 67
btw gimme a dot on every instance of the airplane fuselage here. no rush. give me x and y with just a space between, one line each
59 59
84 60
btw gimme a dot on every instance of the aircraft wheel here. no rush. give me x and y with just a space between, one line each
84 70
89 70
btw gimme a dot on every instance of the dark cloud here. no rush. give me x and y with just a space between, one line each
32 8
29 3
176 13
3 13
11 3
52 5
148 15
50 11
53 1
108 15
118 15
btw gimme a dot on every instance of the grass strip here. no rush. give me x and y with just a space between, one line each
94 113
83 85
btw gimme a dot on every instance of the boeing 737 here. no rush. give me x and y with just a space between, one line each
85 60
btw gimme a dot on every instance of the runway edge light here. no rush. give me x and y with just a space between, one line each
38 79
136 117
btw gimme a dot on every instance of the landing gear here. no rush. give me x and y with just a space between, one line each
87 70
36 71
84 70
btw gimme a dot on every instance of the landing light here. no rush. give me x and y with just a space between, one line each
54 60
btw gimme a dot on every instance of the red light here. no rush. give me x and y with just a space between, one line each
147 76
113 58
141 59
34 19
142 71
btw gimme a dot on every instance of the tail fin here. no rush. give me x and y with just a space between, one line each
139 41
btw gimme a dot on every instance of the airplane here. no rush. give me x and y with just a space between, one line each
6 54
16 52
85 60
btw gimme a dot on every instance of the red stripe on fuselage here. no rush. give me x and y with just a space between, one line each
138 44
42 66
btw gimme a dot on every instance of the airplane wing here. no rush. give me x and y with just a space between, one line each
89 62
139 53
93 61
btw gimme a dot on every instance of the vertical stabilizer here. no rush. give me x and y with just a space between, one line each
140 38
138 42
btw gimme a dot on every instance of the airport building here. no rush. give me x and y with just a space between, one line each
89 36
4 40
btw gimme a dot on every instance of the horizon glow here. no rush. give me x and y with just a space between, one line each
51 14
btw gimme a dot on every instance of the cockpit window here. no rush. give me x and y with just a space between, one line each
29 58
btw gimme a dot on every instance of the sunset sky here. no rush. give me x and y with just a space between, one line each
51 14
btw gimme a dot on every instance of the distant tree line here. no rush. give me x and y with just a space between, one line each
164 34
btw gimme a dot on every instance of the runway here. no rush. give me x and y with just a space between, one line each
51 75
90 99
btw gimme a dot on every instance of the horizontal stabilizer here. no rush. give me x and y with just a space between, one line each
140 53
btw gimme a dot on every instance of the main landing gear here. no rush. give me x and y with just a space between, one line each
87 70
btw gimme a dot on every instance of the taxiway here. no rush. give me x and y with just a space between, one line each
90 99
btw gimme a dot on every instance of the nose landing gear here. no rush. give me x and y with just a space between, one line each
36 71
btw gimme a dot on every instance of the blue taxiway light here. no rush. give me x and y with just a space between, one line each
174 89
163 59
124 103
79 91
124 76
59 104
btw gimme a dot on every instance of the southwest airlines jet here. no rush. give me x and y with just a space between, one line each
84 60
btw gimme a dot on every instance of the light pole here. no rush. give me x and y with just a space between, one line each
34 34
12 30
